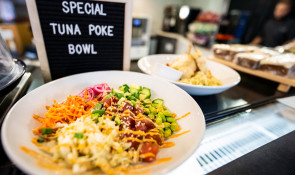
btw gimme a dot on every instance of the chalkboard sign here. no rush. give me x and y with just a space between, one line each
81 35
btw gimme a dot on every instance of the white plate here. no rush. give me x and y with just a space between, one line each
226 75
18 124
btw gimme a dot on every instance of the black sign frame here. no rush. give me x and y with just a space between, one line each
44 57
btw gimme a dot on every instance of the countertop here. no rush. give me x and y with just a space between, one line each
276 157
251 90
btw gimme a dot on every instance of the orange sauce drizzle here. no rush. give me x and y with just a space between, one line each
177 135
49 164
42 160
147 155
63 145
143 117
126 113
167 144
140 116
133 139
127 131
136 172
150 140
183 116
109 112
174 115
35 142
138 140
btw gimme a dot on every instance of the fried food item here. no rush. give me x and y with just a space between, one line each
194 69
187 63
201 62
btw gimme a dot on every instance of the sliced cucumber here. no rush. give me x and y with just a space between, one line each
145 93
158 101
134 89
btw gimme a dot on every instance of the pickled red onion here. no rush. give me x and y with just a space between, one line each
97 90
89 95
101 88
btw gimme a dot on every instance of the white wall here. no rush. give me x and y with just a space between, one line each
154 9
216 6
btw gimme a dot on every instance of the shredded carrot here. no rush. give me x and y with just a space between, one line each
74 107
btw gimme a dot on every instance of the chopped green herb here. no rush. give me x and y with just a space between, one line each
119 95
100 112
46 130
79 135
146 104
124 88
136 95
93 116
40 140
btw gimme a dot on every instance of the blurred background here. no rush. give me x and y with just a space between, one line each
160 26
168 27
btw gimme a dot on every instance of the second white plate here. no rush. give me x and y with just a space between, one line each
226 75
